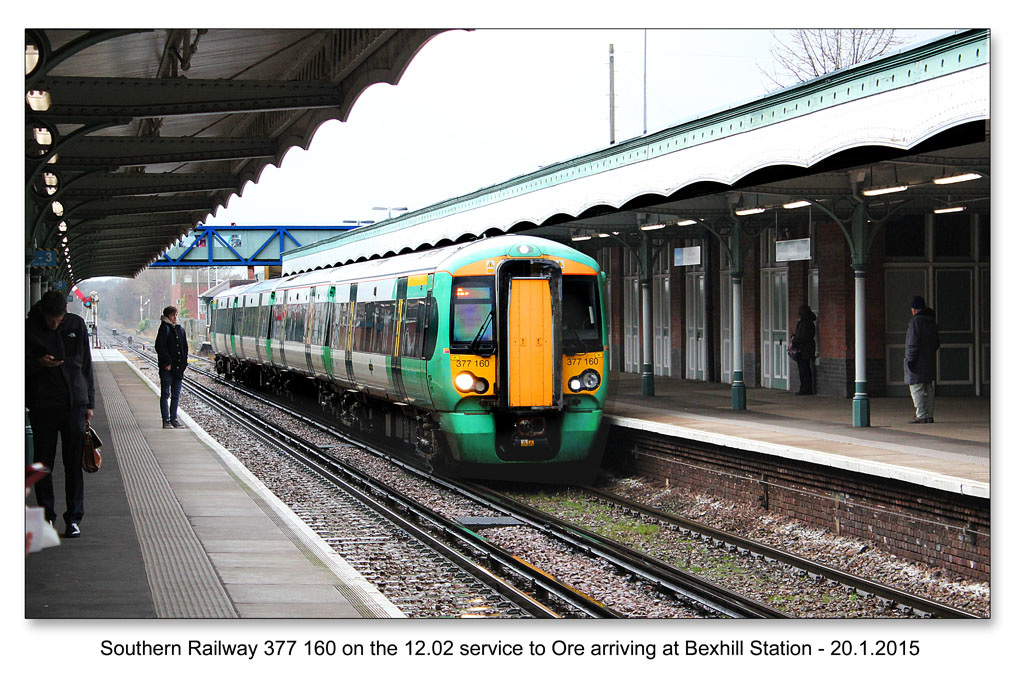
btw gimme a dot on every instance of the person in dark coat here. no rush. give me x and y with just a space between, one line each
60 397
172 357
803 343
920 360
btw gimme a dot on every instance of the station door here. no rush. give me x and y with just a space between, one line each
774 328
696 349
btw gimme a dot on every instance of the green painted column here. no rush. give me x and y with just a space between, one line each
860 240
647 321
739 388
861 402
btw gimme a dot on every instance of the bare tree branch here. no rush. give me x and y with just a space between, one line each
803 54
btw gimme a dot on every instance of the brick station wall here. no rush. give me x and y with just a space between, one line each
912 522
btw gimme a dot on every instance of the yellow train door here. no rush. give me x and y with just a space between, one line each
530 343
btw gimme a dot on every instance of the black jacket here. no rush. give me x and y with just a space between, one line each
171 347
71 384
922 344
803 338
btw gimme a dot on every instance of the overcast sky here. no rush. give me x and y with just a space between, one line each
479 107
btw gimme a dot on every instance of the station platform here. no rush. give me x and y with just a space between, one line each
176 527
952 454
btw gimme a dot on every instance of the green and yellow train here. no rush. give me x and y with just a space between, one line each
489 358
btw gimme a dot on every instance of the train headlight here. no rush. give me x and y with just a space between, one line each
575 384
465 382
590 379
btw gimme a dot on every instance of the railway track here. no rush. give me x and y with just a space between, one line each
449 535
704 596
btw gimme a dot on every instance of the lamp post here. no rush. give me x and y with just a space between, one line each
389 209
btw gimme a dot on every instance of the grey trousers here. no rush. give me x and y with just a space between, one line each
924 398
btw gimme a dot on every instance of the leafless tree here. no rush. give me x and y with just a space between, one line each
802 54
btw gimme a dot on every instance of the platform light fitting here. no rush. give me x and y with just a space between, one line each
797 204
686 222
884 190
580 238
656 226
38 100
963 177
749 212
951 209
603 234
31 58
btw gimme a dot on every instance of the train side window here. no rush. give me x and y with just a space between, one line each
412 334
384 328
278 322
430 329
359 327
264 322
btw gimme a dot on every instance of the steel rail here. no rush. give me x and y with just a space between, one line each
702 594
895 596
395 507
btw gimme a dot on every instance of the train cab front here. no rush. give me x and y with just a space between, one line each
529 342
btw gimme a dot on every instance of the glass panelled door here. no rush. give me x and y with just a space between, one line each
774 328
631 323
696 352
726 308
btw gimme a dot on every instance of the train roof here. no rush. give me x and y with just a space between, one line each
444 259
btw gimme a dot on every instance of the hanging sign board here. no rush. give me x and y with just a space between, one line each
44 258
793 250
686 256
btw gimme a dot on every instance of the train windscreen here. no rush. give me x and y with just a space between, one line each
581 314
473 314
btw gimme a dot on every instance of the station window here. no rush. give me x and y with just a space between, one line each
952 236
905 237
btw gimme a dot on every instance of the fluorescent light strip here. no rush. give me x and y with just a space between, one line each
951 209
884 190
956 179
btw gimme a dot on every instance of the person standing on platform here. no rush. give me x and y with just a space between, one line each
919 361
803 343
60 397
172 356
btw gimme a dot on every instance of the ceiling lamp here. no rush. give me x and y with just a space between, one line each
31 58
884 190
964 177
656 226
951 209
686 222
580 238
38 100
797 204
749 212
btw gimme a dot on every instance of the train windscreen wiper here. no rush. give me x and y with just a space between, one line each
474 345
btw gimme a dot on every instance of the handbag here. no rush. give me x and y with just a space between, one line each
793 352
91 456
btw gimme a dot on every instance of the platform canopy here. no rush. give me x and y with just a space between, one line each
134 136
917 120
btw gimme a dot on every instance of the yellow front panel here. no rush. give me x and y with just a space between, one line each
530 343
573 366
484 367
